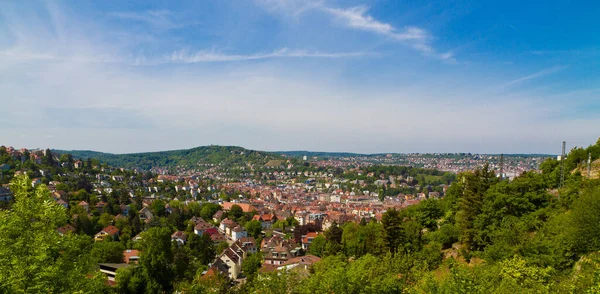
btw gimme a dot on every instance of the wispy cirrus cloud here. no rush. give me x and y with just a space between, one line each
160 19
291 7
17 54
185 56
539 74
418 38
357 18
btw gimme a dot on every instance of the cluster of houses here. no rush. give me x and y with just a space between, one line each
278 253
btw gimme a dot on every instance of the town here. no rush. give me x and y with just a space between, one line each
259 219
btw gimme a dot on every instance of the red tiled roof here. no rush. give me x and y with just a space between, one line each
111 230
127 254
179 234
211 231
307 259
201 226
245 206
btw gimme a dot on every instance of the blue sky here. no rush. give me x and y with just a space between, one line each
360 76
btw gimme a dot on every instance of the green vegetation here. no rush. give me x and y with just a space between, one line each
528 235
486 236
34 257
191 158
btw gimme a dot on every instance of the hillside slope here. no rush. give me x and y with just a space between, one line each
223 155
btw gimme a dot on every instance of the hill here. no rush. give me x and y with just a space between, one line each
211 155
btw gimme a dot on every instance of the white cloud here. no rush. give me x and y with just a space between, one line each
539 74
357 18
160 19
185 56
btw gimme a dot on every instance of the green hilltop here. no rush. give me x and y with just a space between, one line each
217 155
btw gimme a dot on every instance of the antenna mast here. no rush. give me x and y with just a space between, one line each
562 166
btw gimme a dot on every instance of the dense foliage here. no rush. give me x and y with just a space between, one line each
34 257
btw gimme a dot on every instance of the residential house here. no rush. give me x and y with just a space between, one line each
307 239
248 244
124 209
218 238
246 207
226 226
62 203
131 256
266 220
233 261
300 263
195 220
238 233
218 216
66 229
201 227
100 206
110 270
216 268
85 205
180 237
145 214
277 250
233 257
211 231
108 232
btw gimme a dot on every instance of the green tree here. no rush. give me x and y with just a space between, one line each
34 258
208 210
317 247
428 212
394 234
236 211
108 252
473 186
105 220
251 265
48 158
155 271
334 233
585 231
158 207
202 248
447 235
254 228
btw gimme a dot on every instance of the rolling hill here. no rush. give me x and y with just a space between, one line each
224 155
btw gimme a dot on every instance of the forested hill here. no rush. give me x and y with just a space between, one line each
224 155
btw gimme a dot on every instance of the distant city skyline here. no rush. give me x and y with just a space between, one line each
275 75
